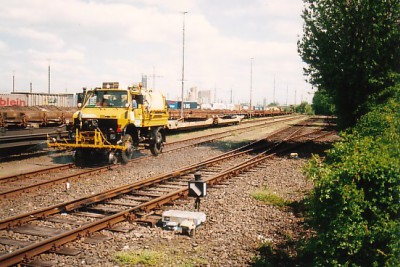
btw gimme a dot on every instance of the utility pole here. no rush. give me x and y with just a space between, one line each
49 79
13 81
274 90
183 62
154 78
287 93
251 81
215 93
231 96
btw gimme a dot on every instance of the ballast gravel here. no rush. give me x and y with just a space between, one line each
237 224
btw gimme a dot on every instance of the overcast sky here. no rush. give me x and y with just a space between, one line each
87 42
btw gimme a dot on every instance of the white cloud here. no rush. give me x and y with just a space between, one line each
88 42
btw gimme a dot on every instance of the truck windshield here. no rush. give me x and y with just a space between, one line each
115 99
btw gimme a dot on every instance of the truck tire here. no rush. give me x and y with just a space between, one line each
81 157
78 158
157 144
127 154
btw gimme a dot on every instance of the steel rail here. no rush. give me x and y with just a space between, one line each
68 206
38 172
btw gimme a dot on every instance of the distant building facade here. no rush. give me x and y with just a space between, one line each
192 94
204 97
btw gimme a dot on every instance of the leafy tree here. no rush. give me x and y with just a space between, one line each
355 205
304 108
352 47
322 103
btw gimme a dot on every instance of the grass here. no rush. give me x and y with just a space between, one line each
268 197
161 256
145 257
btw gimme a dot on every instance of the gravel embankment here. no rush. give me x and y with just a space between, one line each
236 225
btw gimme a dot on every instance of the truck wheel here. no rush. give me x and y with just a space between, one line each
78 158
128 152
157 146
81 157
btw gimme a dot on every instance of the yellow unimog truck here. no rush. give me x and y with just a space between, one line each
113 122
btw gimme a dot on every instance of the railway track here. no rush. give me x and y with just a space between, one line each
12 141
26 182
49 229
27 137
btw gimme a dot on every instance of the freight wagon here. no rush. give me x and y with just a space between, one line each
17 116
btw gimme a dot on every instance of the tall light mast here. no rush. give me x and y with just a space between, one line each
183 62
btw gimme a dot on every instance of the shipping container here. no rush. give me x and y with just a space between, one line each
189 105
37 99
172 104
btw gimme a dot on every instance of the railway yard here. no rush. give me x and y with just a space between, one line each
69 216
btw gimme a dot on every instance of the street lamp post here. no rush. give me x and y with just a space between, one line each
183 62
13 85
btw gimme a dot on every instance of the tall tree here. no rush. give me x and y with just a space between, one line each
352 49
322 103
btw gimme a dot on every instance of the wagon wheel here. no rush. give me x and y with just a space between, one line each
24 121
157 145
128 152
112 159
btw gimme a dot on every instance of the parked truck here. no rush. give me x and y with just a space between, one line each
113 122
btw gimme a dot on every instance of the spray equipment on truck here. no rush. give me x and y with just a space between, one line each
114 122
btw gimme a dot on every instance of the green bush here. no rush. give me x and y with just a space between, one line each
355 205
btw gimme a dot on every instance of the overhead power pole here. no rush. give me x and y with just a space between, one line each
251 81
154 78
13 81
274 90
49 79
287 94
